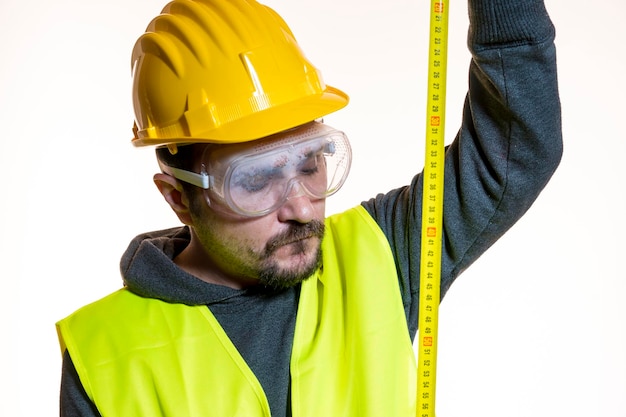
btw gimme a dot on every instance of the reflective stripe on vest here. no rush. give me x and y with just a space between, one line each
351 356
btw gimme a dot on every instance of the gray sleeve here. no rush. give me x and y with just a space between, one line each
74 401
505 152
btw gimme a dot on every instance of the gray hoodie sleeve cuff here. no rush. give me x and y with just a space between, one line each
499 23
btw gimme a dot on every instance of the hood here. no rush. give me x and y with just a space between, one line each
148 269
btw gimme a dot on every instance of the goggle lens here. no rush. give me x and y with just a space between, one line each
261 178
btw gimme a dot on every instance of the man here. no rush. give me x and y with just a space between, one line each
260 305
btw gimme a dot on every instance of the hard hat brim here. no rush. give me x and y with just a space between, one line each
263 123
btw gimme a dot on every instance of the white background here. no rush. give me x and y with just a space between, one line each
536 327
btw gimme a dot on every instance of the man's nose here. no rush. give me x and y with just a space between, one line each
298 206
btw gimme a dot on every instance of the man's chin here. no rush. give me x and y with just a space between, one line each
291 270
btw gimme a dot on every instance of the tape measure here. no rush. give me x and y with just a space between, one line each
432 211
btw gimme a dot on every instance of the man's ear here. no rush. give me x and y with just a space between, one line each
172 191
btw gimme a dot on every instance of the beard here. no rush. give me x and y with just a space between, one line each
274 276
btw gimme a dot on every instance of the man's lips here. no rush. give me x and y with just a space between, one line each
295 235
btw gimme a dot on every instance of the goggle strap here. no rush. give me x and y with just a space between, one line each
199 180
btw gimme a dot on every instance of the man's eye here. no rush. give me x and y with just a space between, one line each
255 181
310 169
311 165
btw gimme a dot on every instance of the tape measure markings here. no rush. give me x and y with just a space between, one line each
432 211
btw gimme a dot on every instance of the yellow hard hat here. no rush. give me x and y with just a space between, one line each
223 71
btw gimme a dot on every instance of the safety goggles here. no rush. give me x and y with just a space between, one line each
256 178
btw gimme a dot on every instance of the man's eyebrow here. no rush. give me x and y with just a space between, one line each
258 170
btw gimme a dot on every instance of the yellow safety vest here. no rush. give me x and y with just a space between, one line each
352 355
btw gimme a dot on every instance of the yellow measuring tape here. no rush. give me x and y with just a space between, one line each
432 211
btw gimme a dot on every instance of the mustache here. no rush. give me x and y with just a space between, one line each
294 233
